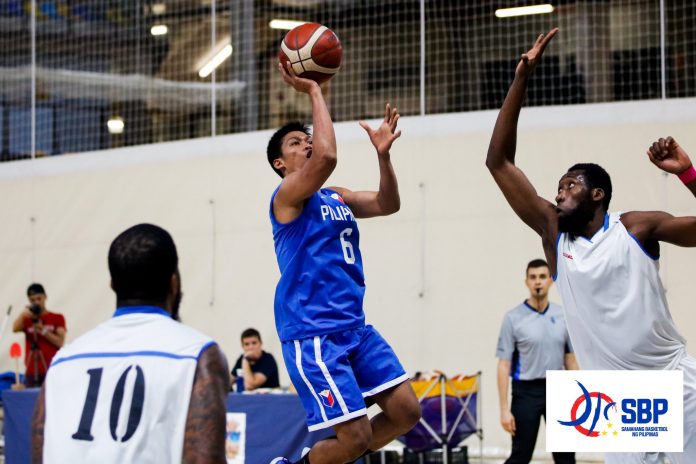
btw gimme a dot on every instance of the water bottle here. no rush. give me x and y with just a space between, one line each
240 380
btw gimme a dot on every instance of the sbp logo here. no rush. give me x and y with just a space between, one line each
586 398
636 411
616 411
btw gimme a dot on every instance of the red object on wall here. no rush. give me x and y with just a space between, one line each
15 351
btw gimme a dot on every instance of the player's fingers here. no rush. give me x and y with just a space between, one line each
288 68
656 148
387 112
525 58
397 134
549 36
651 156
539 39
670 143
365 126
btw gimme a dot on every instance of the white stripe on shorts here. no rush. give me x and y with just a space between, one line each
386 386
327 376
298 364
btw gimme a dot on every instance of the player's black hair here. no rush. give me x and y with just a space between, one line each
248 333
596 177
535 263
142 260
273 150
35 289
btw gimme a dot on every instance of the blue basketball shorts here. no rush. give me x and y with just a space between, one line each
334 373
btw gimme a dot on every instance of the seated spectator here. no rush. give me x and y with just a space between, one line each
258 368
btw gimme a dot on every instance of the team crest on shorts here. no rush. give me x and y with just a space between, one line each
327 398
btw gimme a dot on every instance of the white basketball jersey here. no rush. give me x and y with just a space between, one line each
120 393
615 304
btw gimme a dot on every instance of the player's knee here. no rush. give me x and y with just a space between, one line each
357 441
411 415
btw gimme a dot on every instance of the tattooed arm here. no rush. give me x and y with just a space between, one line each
204 438
37 428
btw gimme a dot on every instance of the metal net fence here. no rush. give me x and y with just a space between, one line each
85 75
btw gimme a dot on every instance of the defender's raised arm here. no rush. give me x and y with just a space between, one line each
652 227
537 213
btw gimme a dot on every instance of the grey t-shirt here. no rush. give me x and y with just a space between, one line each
535 342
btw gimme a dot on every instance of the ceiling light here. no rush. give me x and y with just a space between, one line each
159 8
524 10
285 24
159 29
115 125
215 61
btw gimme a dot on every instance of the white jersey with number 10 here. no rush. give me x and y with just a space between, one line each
121 392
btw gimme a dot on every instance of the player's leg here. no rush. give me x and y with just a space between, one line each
527 407
400 413
688 366
320 370
352 439
383 380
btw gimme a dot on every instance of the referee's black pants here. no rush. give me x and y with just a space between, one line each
528 407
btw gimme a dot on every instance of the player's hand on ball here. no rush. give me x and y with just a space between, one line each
667 155
298 83
383 137
530 59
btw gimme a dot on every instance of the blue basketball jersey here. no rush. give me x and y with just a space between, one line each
321 284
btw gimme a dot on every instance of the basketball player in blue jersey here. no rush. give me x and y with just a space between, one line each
338 365
605 264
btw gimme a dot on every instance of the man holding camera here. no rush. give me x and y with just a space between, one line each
44 334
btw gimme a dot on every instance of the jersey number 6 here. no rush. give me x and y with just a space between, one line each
84 431
348 254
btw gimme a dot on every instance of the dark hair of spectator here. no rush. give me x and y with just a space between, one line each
35 289
248 333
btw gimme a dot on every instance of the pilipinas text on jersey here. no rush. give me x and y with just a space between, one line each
321 286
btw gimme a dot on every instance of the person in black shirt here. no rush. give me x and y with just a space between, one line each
258 368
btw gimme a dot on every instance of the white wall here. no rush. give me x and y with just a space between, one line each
455 240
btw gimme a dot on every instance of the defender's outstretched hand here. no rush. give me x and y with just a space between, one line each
383 137
298 83
530 59
667 155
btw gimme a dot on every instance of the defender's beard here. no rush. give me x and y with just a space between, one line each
574 222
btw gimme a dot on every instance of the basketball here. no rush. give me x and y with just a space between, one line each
314 51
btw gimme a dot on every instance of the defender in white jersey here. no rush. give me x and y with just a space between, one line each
606 264
140 387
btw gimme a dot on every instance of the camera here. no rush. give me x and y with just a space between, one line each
35 309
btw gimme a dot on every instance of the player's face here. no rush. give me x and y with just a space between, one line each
39 299
296 149
251 347
538 281
573 202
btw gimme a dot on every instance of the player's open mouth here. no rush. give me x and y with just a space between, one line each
309 153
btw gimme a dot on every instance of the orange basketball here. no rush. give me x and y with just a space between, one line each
314 51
